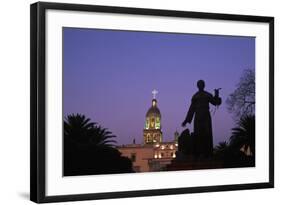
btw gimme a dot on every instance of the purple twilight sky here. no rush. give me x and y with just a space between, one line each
109 75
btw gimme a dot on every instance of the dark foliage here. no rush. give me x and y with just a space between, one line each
244 134
234 153
186 143
88 149
232 157
242 101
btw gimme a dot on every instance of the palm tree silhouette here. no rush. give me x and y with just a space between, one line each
89 149
243 136
80 129
221 147
102 137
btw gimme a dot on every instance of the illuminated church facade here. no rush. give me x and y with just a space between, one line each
153 154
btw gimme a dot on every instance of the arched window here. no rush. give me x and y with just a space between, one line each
152 122
157 123
147 123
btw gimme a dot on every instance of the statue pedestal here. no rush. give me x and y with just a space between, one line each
191 163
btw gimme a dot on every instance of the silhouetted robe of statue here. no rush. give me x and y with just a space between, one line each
199 110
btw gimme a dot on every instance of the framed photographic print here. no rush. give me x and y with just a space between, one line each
129 102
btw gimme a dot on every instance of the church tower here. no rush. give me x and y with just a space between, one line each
152 130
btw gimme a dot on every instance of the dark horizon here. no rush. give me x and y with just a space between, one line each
123 67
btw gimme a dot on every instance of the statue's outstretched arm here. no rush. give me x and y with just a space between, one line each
215 100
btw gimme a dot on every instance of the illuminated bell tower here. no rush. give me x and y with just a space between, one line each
152 129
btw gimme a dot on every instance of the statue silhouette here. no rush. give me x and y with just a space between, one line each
199 109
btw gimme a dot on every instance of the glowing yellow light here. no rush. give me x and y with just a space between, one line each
155 156
162 147
160 156
157 145
171 146
174 155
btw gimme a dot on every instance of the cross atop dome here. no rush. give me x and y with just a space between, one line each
152 129
154 93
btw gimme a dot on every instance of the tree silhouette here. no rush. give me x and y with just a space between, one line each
234 153
224 152
102 137
242 101
80 129
221 147
243 136
88 149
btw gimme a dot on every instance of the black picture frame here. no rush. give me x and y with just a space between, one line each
38 101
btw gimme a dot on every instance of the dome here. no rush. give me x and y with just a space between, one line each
152 127
153 110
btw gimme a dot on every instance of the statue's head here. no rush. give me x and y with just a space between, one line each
201 85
